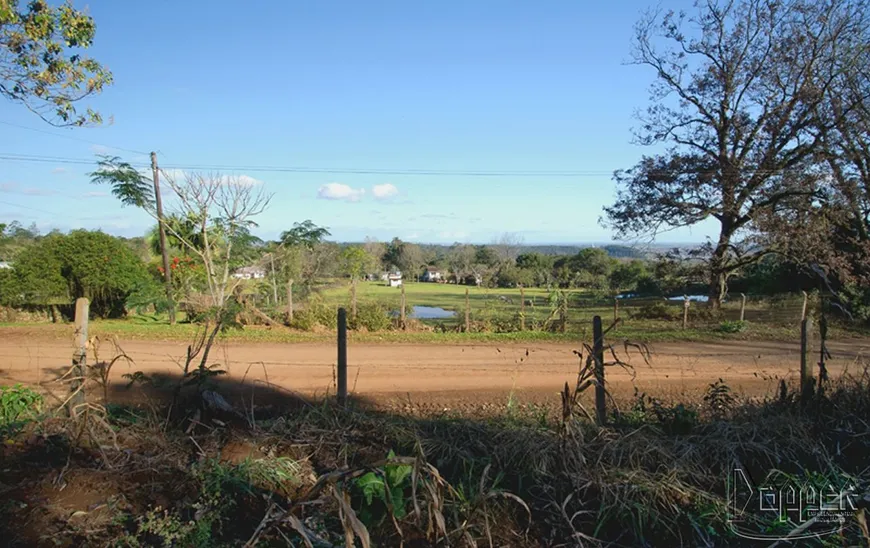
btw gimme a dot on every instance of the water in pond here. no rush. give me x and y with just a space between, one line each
428 313
696 298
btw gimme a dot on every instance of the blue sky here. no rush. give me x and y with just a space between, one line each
452 86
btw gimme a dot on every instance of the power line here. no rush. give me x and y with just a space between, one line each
30 208
303 169
70 137
360 171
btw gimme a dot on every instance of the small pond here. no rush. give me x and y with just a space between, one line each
428 313
695 298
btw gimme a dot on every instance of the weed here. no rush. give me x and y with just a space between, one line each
719 399
18 405
384 491
735 326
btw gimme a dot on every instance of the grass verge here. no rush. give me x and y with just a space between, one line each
319 475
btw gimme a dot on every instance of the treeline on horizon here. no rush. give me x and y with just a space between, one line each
121 274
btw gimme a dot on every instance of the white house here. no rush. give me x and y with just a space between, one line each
432 274
4 264
394 279
249 273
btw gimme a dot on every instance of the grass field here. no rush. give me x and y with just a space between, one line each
767 320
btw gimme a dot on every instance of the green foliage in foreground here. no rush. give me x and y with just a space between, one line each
18 405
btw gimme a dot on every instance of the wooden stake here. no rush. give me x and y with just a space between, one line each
161 230
806 373
823 351
522 308
467 312
742 306
598 353
353 298
402 309
274 280
804 308
80 356
342 356
615 310
290 301
685 311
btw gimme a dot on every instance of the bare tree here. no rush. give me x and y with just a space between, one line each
508 246
224 208
739 87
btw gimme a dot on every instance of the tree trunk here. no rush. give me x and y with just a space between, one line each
718 274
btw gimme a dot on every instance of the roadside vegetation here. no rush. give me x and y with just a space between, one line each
156 462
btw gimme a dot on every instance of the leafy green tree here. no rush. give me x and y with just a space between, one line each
305 234
539 266
486 256
625 276
10 288
61 268
509 275
14 237
355 262
405 256
40 66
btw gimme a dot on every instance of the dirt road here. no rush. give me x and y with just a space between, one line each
442 373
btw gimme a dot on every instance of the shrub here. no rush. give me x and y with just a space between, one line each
658 311
371 316
735 326
317 313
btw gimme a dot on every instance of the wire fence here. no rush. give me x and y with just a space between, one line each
508 311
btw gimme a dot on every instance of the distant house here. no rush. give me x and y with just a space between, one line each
250 273
394 279
432 274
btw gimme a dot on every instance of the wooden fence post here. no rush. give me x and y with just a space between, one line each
685 311
806 373
615 310
353 298
742 306
402 308
80 357
467 312
804 307
522 308
274 280
598 353
290 301
342 356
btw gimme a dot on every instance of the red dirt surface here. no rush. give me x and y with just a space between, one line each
436 375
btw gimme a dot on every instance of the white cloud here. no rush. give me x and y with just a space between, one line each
59 170
94 194
384 191
100 149
241 180
457 236
180 174
340 191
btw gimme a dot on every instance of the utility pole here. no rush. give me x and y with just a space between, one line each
274 281
167 275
